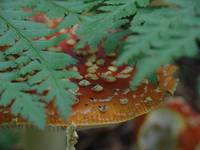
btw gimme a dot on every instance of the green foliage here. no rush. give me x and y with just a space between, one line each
26 68
161 35
155 36
110 15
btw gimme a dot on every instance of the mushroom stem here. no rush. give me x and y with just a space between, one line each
72 137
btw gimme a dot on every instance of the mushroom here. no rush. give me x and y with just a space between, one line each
190 137
104 96
179 130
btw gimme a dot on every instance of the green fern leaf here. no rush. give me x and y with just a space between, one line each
24 104
162 35
26 65
113 14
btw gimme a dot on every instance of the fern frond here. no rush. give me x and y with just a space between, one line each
115 40
161 35
27 69
108 15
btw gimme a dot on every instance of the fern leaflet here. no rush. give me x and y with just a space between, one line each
26 68
161 35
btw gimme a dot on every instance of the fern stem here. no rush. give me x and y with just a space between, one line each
27 40
33 48
72 137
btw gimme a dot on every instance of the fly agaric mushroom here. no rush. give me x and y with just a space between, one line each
104 96
190 137
179 130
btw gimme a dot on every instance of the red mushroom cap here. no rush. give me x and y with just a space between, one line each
104 96
156 124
